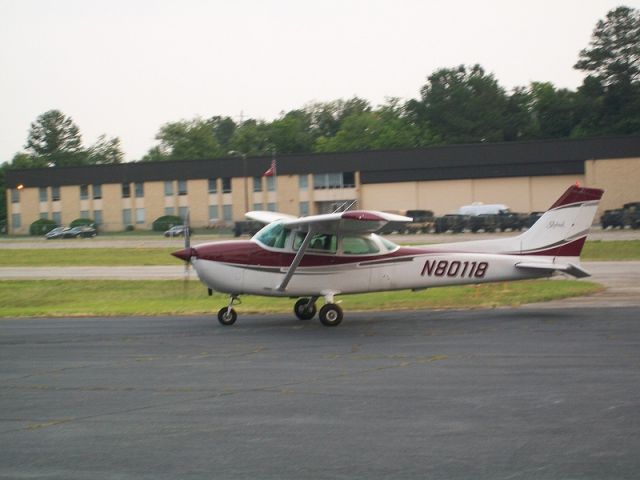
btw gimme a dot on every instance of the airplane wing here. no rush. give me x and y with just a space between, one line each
355 221
263 216
569 268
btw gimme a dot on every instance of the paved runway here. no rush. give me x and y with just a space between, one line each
488 394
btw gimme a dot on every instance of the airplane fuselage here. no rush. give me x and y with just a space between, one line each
246 267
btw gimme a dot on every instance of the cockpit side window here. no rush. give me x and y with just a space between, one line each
320 242
358 245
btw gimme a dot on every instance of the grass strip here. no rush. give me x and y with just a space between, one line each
615 250
55 298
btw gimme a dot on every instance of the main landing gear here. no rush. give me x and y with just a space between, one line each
305 309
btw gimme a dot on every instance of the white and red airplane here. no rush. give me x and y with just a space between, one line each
340 253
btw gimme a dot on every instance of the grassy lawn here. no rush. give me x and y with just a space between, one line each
52 298
598 250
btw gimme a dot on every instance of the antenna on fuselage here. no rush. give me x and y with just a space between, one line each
343 207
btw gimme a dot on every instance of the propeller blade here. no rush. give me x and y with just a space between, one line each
187 231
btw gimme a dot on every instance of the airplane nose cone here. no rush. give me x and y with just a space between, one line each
185 254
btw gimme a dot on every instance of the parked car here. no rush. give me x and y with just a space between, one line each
83 231
423 221
58 232
612 218
177 231
631 214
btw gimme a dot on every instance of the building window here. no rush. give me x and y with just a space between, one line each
257 184
55 194
84 213
257 206
126 216
16 221
44 215
213 185
139 215
271 183
42 192
84 192
272 207
139 186
182 187
303 182
226 185
168 189
333 180
15 195
97 191
304 209
183 212
126 191
169 211
213 213
227 213
97 217
57 218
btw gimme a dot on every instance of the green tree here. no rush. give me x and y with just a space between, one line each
105 151
553 111
252 138
613 55
54 138
609 98
461 105
291 133
185 140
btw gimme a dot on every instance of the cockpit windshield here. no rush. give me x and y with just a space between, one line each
273 235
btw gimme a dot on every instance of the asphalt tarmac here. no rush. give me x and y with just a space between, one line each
522 393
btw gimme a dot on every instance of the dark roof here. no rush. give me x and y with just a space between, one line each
482 160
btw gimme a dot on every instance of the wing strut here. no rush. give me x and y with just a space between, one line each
296 261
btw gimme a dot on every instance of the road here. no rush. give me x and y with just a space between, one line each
522 393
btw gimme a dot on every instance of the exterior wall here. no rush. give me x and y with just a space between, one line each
287 193
520 194
153 202
620 179
112 207
197 197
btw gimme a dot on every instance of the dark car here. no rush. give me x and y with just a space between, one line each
177 231
58 232
612 218
83 231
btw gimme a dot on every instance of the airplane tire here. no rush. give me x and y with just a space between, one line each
301 313
330 315
226 316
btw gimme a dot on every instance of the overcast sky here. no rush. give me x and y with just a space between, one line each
126 67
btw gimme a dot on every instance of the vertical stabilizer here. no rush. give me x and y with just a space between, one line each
563 229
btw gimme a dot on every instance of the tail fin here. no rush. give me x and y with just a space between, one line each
563 229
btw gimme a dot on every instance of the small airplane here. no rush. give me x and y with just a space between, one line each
340 253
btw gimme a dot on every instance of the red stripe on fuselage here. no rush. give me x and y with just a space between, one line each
249 253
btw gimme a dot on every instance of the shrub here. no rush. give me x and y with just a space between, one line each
42 227
79 222
166 222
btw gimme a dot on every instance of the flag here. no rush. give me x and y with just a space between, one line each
271 171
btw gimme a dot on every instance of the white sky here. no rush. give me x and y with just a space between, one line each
126 67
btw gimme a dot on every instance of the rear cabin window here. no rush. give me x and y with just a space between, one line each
352 245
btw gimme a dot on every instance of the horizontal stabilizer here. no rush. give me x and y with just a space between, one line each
569 268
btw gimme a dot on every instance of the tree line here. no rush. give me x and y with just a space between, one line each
464 104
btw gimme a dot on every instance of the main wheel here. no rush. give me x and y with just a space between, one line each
227 316
301 311
330 315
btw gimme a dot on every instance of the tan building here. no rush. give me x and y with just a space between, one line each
526 176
